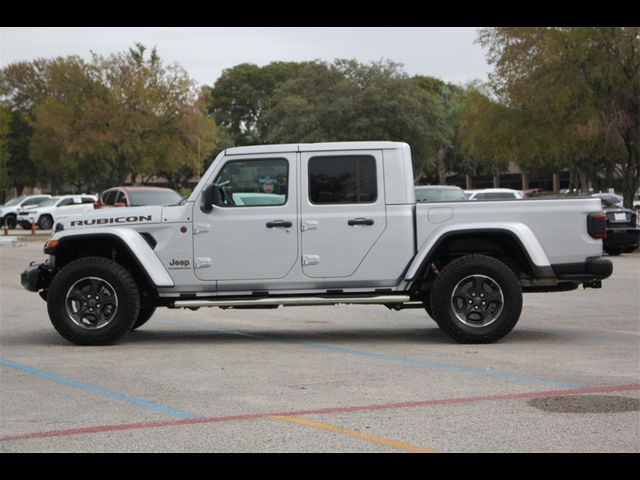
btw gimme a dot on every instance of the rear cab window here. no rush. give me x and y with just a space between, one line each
342 179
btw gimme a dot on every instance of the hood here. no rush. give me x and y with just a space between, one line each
115 216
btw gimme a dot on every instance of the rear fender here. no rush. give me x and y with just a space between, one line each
519 232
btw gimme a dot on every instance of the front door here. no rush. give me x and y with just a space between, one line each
252 234
342 210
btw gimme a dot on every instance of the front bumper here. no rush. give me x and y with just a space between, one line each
36 277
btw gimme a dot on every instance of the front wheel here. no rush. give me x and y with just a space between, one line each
45 222
476 299
93 301
146 312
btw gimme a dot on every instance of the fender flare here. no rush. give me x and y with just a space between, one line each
519 232
129 239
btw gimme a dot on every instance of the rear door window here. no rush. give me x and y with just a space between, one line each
342 179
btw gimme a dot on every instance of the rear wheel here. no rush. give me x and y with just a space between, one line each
614 251
476 299
93 301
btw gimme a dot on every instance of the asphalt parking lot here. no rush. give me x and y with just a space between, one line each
325 379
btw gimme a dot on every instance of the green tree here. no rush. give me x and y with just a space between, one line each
349 101
243 93
450 100
5 119
125 116
22 86
583 84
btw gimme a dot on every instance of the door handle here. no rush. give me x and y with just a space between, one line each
279 224
360 221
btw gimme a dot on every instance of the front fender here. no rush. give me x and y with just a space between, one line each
516 230
130 239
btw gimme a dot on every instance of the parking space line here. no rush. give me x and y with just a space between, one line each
98 390
387 357
387 442
320 411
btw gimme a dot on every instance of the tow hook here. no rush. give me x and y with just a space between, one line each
592 284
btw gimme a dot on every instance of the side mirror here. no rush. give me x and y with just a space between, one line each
210 196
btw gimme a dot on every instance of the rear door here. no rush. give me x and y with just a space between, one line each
342 210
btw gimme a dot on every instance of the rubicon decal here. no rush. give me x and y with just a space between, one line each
106 221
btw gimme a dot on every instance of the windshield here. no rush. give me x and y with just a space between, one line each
15 201
154 198
440 195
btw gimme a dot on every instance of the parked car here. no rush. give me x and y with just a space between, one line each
137 196
623 234
9 211
636 202
611 198
494 194
440 193
56 208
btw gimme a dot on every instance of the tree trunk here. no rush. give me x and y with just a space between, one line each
631 181
442 170
122 169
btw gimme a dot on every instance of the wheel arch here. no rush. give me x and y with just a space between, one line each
126 247
496 242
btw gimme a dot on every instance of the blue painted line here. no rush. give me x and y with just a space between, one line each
99 391
446 366
391 358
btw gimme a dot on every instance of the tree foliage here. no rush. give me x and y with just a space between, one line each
243 93
350 101
575 93
103 121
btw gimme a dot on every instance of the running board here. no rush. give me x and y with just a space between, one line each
292 301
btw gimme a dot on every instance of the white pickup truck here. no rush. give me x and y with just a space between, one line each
317 224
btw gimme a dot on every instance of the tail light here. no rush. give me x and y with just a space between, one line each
597 225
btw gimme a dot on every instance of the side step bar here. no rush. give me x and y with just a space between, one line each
291 301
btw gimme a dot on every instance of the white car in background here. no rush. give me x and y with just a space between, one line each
494 194
46 214
9 211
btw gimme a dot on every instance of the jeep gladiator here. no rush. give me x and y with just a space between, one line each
316 224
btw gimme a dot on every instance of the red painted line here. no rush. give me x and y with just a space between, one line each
320 411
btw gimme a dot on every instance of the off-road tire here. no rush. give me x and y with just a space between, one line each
109 273
146 312
497 274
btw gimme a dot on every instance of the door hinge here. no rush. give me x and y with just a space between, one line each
310 260
201 228
308 225
202 262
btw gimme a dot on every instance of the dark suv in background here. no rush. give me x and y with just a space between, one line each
623 233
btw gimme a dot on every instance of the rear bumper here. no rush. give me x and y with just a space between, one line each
593 269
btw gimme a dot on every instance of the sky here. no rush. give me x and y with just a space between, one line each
448 53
